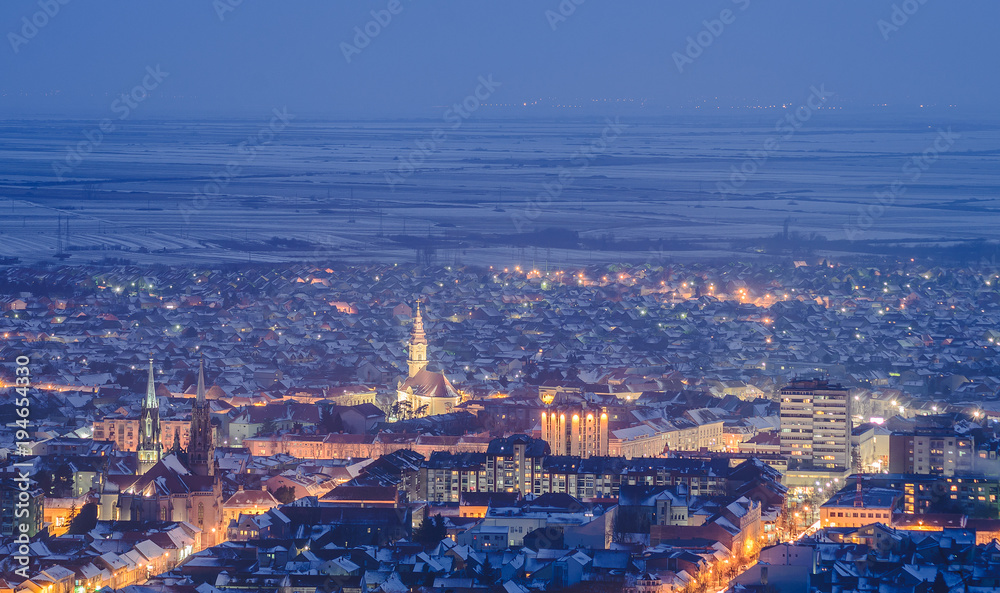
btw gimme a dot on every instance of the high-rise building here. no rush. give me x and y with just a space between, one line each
579 431
150 448
934 451
816 426
201 448
513 463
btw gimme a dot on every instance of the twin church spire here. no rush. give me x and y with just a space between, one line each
201 447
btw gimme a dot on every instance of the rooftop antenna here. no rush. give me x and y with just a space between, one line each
498 207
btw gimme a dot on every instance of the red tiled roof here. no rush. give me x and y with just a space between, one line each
429 384
252 498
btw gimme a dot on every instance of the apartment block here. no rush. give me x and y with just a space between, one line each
816 425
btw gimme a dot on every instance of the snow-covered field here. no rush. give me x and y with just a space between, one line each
181 191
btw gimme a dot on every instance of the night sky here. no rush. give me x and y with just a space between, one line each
235 58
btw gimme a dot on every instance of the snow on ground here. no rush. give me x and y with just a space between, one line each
139 195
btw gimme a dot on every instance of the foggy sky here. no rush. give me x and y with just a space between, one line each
264 54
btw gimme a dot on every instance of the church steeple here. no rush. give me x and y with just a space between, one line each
418 345
151 401
150 448
201 448
200 393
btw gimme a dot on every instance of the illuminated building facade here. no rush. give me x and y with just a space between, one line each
580 432
816 426
857 506
125 432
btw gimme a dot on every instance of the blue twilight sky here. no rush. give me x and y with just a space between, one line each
261 54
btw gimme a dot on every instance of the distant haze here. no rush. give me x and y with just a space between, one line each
243 58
